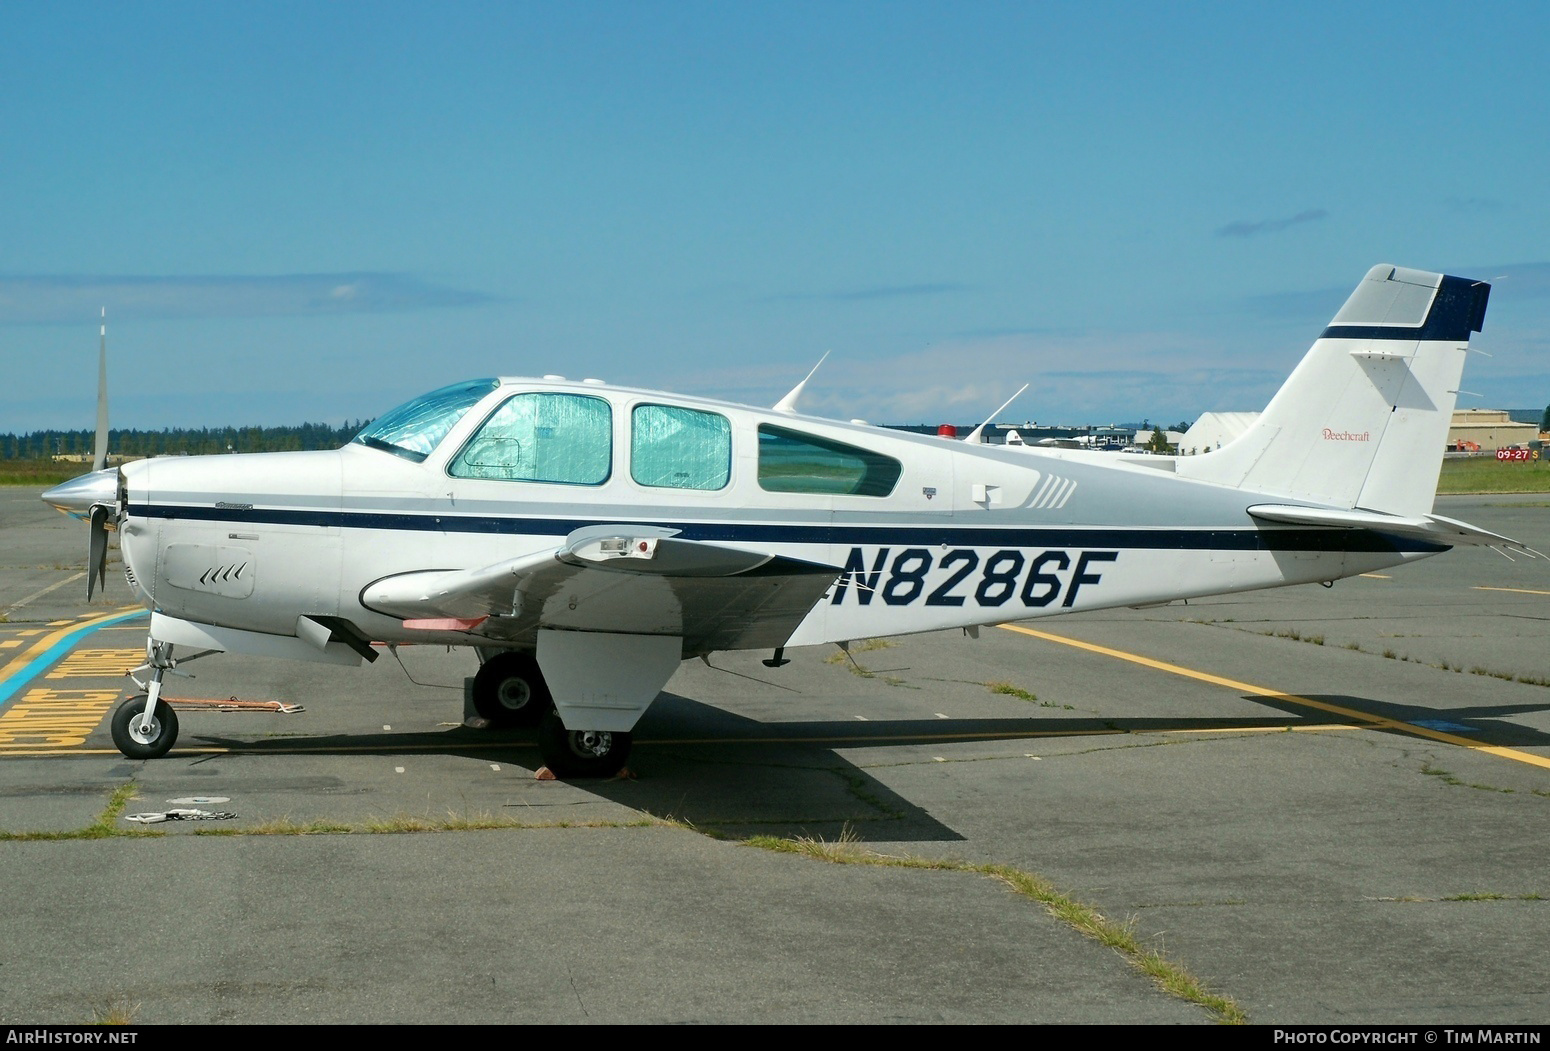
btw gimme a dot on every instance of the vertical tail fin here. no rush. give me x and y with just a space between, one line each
1363 419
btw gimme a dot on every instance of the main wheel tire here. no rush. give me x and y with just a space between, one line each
581 753
144 744
509 690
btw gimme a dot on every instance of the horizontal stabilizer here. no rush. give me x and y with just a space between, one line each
1434 528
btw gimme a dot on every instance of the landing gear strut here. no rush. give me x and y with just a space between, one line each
145 726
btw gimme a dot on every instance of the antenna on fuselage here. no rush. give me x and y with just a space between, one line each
977 434
788 404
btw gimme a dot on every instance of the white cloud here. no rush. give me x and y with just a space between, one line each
1081 378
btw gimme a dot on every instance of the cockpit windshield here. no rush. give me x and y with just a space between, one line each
415 428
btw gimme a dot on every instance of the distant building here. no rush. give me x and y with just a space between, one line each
1112 437
1486 429
1214 430
1490 429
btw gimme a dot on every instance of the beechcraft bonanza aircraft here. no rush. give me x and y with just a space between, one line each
584 539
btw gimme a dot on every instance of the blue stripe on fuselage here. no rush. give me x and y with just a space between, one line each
950 534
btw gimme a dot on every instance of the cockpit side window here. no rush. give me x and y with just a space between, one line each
677 448
793 462
542 437
415 428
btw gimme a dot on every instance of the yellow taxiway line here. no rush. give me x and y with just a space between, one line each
1375 721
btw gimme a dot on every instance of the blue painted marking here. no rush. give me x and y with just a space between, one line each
1457 310
49 657
1443 724
946 534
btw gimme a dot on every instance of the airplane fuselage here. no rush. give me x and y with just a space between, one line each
947 534
584 539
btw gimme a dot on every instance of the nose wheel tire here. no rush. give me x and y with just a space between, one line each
509 690
144 742
581 753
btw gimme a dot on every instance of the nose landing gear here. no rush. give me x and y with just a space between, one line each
145 726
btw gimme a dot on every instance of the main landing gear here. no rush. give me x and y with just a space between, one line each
145 726
581 753
509 690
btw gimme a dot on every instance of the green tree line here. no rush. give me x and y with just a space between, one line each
172 441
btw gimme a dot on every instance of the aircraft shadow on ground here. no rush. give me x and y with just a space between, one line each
1485 724
728 774
713 770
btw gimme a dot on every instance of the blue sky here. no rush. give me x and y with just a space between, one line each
315 211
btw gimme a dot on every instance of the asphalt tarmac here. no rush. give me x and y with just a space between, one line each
1328 805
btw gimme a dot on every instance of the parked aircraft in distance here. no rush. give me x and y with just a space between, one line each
583 539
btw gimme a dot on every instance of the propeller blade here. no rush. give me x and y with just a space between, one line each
97 552
100 455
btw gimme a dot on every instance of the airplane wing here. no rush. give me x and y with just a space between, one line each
1435 528
623 579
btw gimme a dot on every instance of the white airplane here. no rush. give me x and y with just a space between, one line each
584 539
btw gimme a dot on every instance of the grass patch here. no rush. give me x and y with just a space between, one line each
1008 690
1449 779
1121 937
1507 676
407 824
1487 474
119 1011
106 825
1479 895
847 657
118 799
1296 636
40 473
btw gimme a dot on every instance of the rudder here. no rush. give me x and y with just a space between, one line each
1363 419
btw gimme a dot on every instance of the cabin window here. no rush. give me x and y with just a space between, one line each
793 462
564 438
414 429
676 448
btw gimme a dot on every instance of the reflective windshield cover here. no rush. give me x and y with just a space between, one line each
414 429
542 437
